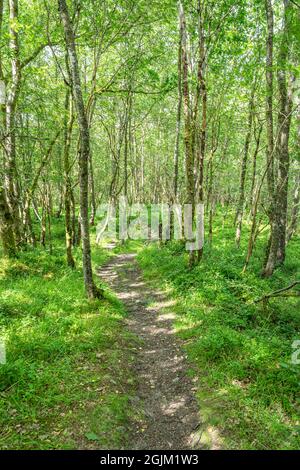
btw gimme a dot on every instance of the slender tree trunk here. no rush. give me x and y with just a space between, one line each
75 239
296 193
68 186
189 159
91 174
178 125
253 232
50 200
35 210
178 116
252 238
43 217
269 122
276 252
7 234
187 116
295 209
203 91
126 143
49 215
210 200
6 227
241 201
2 79
78 232
90 287
60 202
27 220
11 176
92 187
142 168
1 21
284 164
269 98
30 193
254 164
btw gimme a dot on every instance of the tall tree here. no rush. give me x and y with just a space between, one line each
269 97
189 157
91 290
203 91
276 254
179 106
241 200
11 174
68 125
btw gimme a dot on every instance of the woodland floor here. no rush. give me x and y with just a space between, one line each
172 358
165 399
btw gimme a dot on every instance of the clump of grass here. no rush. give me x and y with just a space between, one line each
241 350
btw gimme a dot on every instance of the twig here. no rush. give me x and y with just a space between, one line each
281 293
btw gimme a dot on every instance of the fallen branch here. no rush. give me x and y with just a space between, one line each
281 293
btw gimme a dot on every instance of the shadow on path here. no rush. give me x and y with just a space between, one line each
165 393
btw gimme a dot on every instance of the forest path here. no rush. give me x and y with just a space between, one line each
165 393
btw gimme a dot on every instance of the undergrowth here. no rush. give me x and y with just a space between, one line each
66 382
248 389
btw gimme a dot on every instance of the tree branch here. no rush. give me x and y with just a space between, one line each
281 293
33 55
295 3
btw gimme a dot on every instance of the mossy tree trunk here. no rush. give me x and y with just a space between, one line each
6 227
276 250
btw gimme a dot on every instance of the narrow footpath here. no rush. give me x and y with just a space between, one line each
165 392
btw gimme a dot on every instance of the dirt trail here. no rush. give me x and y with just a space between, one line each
165 393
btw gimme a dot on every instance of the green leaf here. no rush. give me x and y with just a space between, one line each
91 436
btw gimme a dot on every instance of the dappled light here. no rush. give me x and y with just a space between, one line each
169 410
149 228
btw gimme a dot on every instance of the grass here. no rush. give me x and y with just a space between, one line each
248 389
66 383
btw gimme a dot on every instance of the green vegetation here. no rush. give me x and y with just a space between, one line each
248 389
136 104
66 383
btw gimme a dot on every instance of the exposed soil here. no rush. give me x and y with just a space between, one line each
165 392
